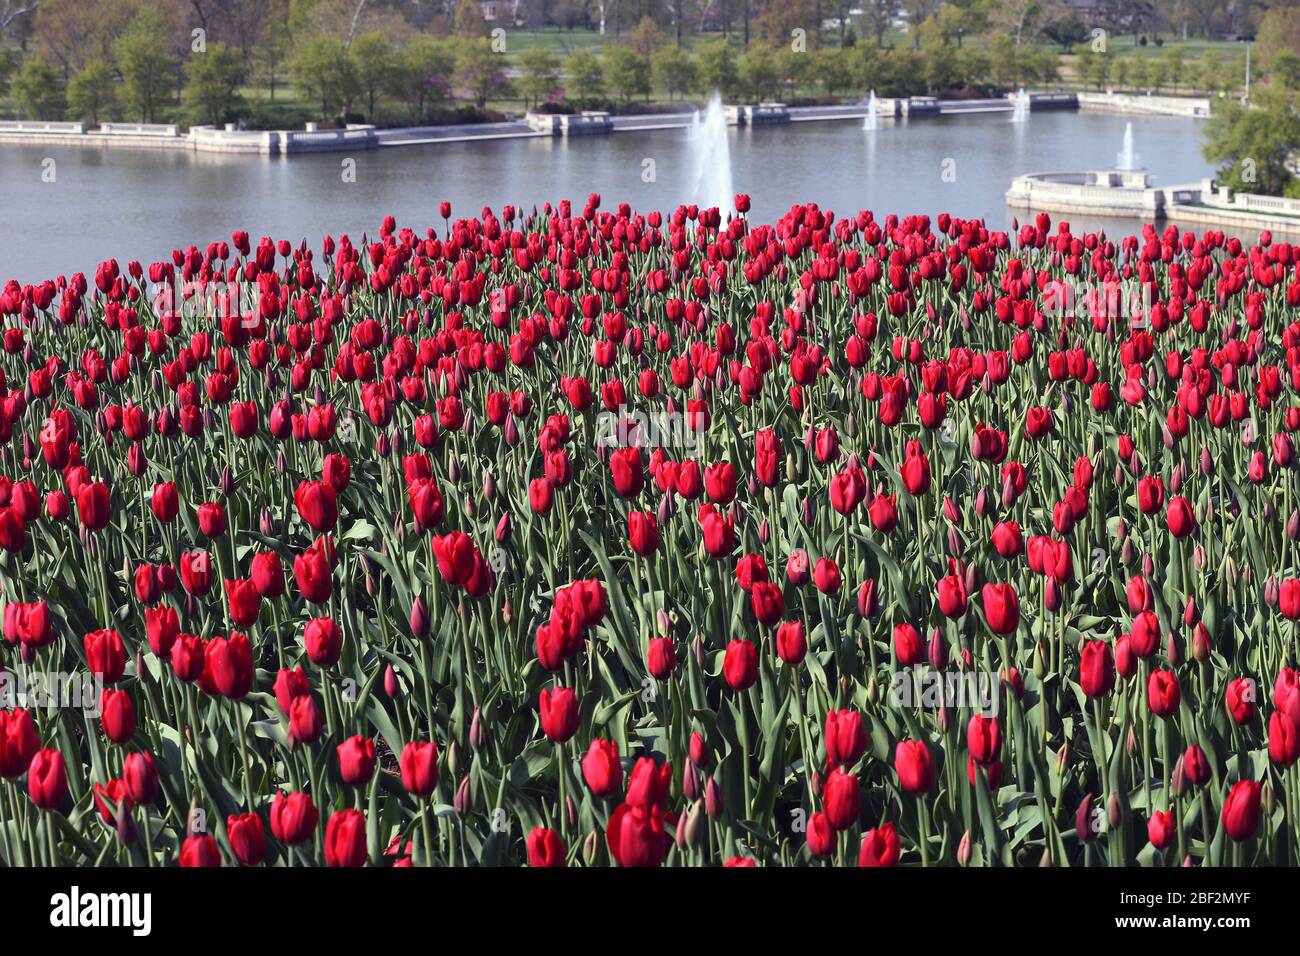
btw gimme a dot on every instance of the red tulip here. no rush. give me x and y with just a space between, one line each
345 839
879 847
293 817
419 766
740 665
558 708
47 781
545 848
356 760
914 766
1241 810
200 850
601 768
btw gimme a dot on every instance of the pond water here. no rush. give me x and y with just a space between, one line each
140 204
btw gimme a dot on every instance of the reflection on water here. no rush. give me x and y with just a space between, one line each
139 204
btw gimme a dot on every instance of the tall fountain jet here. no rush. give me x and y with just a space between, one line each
1126 160
871 120
1021 112
710 153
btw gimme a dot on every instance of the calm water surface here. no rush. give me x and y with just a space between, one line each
140 204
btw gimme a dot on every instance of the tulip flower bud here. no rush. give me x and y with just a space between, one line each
1267 799
982 507
806 511
1174 650
1130 742
391 685
1114 812
1040 661
511 431
281 463
791 469
476 732
696 824
941 718
1063 757
1207 463
1201 646
867 598
697 650
463 802
665 509
713 802
1179 781
453 759
1083 819
590 847
1052 593
419 618
964 850
265 523
1293 526
873 692
125 823
955 545
937 650
690 780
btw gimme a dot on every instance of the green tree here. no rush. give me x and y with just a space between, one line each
148 70
587 74
421 75
213 79
481 72
793 69
36 88
323 72
628 73
832 67
92 92
674 69
759 75
467 20
716 65
1175 68
1252 144
375 61
541 74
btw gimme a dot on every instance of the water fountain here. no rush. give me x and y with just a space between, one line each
1021 111
1126 160
872 120
710 153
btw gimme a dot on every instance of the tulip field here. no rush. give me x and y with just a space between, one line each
595 537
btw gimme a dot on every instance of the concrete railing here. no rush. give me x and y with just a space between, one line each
586 123
39 126
211 139
1159 105
1225 198
762 114
139 129
310 140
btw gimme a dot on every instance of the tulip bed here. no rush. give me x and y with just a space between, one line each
377 555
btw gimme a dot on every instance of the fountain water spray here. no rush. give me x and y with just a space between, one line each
710 152
1021 112
1126 160
871 120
